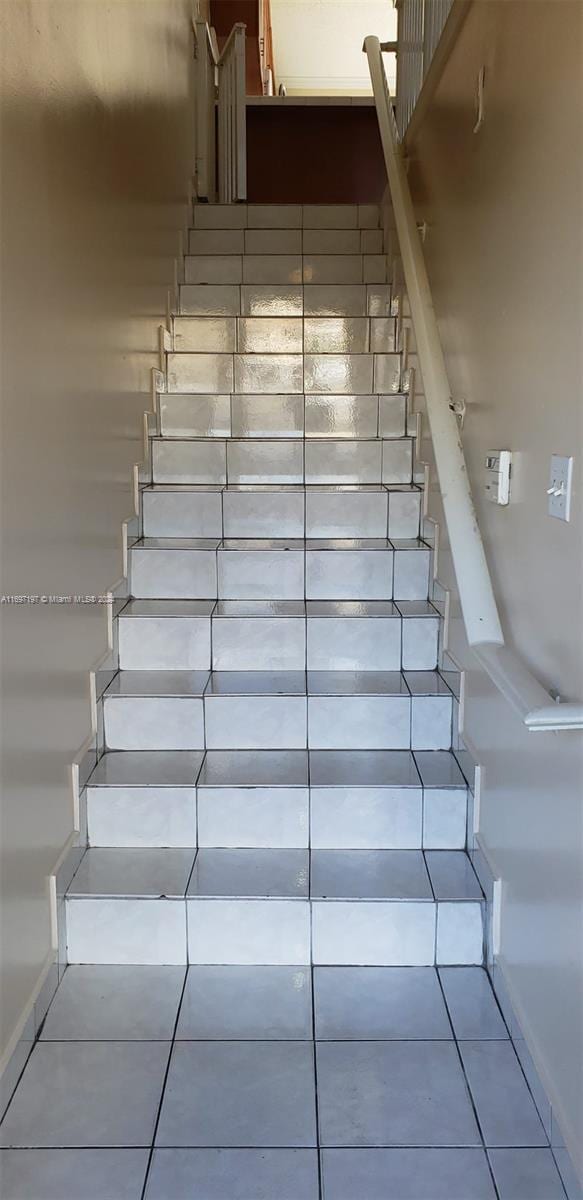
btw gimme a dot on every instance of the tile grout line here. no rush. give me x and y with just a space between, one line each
164 1083
468 1088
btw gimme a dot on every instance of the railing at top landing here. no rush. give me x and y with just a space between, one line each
221 135
421 25
528 697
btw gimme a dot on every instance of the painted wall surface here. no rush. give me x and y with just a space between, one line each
318 43
504 253
97 152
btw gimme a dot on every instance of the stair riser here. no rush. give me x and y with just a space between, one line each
284 373
249 722
286 216
285 300
282 514
285 241
142 816
330 818
265 461
279 269
383 933
280 574
276 644
284 335
282 416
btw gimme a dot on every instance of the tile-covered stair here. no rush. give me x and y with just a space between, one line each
278 784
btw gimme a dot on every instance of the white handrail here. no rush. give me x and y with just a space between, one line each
529 698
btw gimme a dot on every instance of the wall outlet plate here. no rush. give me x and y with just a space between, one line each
559 490
498 469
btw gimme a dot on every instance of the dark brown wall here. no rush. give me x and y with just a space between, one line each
307 154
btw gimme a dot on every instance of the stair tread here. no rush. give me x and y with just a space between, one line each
147 768
132 683
167 608
270 543
317 489
278 768
330 875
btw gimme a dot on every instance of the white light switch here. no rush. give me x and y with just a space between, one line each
559 492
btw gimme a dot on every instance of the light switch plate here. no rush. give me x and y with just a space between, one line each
559 490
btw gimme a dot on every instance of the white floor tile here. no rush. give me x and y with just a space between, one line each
115 1004
393 1093
236 1174
241 1093
256 873
526 1175
84 1174
369 875
405 1174
101 1094
504 1105
344 768
370 1003
452 875
471 1003
246 1003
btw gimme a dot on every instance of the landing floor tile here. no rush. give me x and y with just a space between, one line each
393 1093
256 1003
115 1004
87 1094
239 1094
233 1175
406 1175
68 1174
353 1003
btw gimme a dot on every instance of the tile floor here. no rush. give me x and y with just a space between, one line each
274 1083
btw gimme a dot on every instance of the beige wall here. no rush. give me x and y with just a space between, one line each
504 255
97 152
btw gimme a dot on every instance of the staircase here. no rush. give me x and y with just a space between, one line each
275 935
278 785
